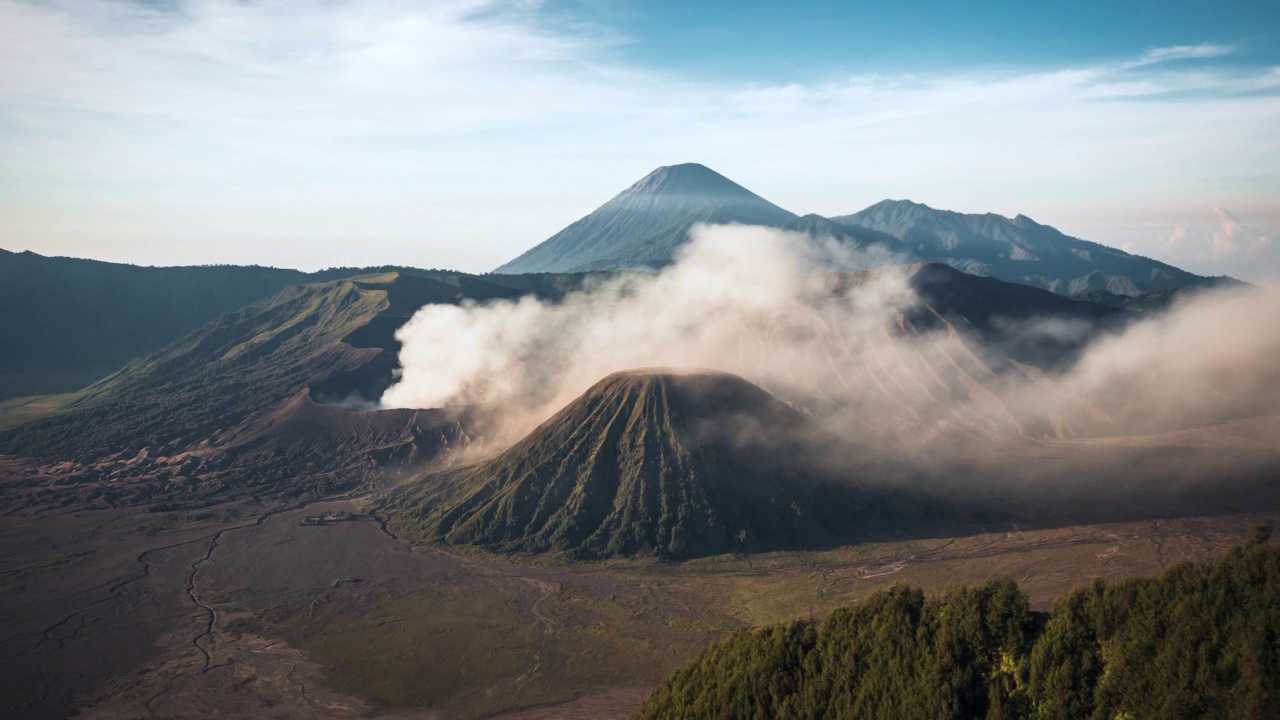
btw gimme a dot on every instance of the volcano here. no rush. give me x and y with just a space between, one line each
652 462
644 224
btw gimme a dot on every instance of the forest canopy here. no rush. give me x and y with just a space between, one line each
1199 641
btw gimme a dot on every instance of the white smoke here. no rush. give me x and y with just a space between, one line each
1211 358
739 299
764 304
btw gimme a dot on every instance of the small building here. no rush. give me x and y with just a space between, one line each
333 516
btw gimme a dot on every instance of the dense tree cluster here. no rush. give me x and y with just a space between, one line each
1199 641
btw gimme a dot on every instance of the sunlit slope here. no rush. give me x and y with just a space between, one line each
68 322
240 363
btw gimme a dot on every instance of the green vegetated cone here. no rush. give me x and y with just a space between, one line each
651 462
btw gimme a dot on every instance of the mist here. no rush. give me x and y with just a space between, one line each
862 353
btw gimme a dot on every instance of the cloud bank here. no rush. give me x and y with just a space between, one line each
1219 243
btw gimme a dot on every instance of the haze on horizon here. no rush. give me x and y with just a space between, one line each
460 133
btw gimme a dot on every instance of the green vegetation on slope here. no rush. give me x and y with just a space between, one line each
1152 302
239 364
69 322
1199 641
242 363
672 464
228 406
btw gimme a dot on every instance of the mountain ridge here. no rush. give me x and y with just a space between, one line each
1019 249
70 322
646 224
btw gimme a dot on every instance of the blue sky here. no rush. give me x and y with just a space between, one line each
806 41
457 133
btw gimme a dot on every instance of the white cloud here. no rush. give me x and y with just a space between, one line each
1183 52
1211 243
1226 239
1232 237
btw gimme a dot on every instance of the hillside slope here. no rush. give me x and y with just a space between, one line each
68 322
936 365
231 403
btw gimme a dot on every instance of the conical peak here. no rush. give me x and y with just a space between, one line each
671 372
644 225
699 393
689 180
690 380
673 463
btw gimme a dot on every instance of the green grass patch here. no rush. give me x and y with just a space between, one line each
447 647
16 411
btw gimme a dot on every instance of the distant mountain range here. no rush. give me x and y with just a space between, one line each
70 322
202 381
1020 250
645 224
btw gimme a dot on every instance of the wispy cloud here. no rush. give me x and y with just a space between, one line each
1183 52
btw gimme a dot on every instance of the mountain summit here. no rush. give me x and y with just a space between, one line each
645 223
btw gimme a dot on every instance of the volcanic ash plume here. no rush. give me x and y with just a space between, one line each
739 299
862 350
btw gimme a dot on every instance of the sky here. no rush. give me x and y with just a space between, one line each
458 133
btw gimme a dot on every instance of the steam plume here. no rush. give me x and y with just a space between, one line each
764 304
